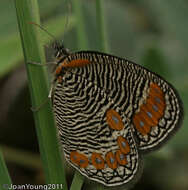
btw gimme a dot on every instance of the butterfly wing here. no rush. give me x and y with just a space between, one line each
147 101
101 148
107 109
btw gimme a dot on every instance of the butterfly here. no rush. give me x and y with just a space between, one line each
109 112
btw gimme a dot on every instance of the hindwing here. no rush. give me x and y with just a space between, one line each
90 143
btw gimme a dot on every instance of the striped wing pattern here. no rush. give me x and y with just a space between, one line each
80 109
82 99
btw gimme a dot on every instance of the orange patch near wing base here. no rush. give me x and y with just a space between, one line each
79 159
58 69
76 63
73 63
114 120
97 161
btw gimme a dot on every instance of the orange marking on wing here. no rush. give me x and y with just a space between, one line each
111 160
121 158
96 157
73 63
79 159
141 124
123 145
76 63
58 69
160 105
114 120
151 111
136 122
150 103
154 88
157 96
150 120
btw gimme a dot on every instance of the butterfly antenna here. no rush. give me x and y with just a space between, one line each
52 36
67 17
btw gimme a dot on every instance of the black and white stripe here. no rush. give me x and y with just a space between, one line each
80 103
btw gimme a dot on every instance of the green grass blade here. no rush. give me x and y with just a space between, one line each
4 175
80 28
101 26
77 182
27 11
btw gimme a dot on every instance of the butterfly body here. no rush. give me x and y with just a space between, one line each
108 112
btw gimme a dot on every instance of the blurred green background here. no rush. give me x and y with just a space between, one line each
152 33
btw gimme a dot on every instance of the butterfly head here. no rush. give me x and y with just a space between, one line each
60 51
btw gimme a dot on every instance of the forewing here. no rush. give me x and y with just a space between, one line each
147 101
